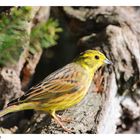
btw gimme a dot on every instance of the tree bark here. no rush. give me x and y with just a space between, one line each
11 83
115 106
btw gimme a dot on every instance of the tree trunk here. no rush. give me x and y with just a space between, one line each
112 104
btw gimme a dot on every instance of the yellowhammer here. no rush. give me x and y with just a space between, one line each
61 89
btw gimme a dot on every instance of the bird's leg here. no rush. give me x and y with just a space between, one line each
64 119
59 122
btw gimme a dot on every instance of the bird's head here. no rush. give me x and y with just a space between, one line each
92 59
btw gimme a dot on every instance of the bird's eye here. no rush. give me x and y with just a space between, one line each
96 57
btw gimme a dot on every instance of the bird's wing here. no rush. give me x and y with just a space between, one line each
63 81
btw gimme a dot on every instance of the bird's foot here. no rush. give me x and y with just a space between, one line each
64 119
58 121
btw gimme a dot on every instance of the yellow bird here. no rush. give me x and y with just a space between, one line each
63 88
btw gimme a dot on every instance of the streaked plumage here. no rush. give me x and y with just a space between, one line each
61 89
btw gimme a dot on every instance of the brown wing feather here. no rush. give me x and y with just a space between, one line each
64 81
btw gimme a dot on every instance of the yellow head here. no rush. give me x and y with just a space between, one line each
92 60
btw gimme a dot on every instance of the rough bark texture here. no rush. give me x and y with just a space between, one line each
115 106
17 76
114 32
10 80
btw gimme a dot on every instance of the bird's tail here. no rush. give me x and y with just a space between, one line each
15 108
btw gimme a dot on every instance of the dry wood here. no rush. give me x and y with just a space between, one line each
114 31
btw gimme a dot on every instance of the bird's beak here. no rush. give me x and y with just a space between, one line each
107 61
